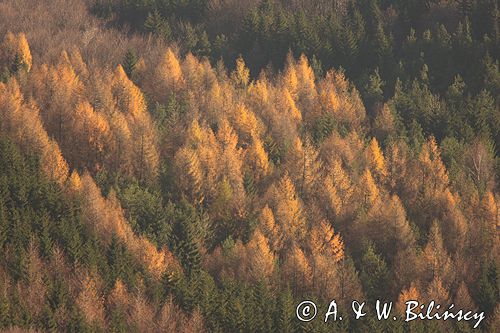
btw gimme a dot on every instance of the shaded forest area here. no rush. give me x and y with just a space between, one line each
147 187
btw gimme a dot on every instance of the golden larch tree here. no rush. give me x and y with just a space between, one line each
434 178
257 160
307 94
367 188
131 102
288 211
245 123
15 48
309 169
22 123
376 160
230 161
241 75
260 257
323 240
91 301
141 315
463 299
409 294
189 174
168 76
437 292
267 225
436 261
290 78
296 269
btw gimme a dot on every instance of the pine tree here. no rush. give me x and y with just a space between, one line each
156 24
130 63
285 321
488 293
186 246
290 77
373 91
374 274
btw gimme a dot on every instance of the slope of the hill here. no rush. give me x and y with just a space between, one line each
154 192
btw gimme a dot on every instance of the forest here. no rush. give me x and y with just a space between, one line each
207 165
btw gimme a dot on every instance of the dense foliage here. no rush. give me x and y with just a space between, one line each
147 189
383 46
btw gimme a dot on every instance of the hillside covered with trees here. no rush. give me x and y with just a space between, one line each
204 166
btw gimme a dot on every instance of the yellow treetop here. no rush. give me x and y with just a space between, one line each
75 182
410 294
296 269
193 72
129 97
462 299
306 78
323 240
91 302
245 121
261 259
16 46
435 177
290 79
288 210
290 106
268 226
77 62
334 101
189 174
260 91
258 159
194 134
489 209
375 158
226 135
241 74
170 69
341 180
437 292
119 296
368 188
435 257
331 197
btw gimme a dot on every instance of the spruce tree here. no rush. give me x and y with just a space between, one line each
129 63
